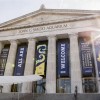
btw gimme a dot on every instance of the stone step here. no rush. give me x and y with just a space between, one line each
31 96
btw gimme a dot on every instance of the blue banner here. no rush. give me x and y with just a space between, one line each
63 58
97 52
3 60
41 58
86 55
20 61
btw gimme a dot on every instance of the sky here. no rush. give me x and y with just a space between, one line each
10 9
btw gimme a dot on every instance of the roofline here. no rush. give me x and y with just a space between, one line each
74 11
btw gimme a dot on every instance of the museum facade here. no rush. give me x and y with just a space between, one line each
61 45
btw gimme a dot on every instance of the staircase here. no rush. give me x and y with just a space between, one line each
30 96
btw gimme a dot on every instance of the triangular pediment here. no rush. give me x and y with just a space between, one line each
45 16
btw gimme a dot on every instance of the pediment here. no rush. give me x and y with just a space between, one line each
44 16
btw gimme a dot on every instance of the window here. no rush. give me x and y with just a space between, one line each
40 86
63 85
89 85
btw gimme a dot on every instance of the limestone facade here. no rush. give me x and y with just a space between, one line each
50 25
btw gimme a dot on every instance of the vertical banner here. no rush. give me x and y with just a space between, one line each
97 51
20 61
63 58
86 55
41 58
3 60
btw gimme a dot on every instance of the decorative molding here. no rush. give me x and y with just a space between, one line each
51 22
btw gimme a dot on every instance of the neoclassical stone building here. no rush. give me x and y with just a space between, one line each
62 45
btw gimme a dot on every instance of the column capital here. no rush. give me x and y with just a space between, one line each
52 37
95 35
14 41
32 39
2 43
73 35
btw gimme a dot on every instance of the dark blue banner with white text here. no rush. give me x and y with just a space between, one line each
86 55
63 58
20 61
97 53
3 60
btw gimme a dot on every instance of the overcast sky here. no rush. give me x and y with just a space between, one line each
10 9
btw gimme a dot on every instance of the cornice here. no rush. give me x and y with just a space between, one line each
52 22
56 11
75 11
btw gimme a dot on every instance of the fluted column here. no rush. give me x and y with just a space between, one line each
1 46
10 63
94 36
51 66
29 66
76 79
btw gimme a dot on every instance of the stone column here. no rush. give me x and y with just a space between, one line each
76 79
29 66
94 36
51 66
10 63
1 46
